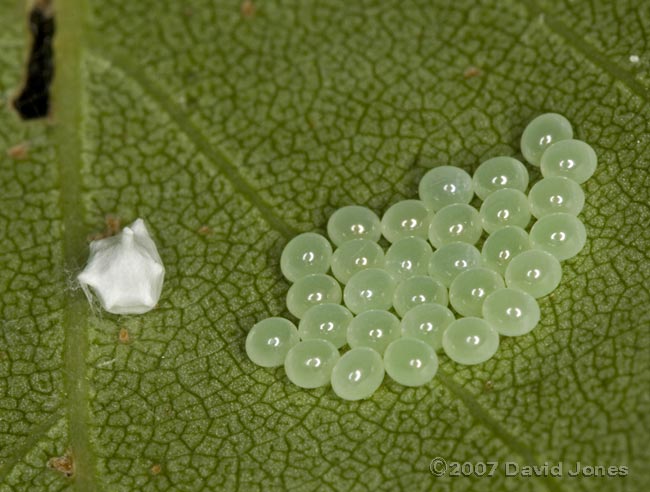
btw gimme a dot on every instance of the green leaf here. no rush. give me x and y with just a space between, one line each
259 122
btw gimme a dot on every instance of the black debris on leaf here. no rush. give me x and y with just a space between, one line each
34 99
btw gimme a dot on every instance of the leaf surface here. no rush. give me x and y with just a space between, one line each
230 128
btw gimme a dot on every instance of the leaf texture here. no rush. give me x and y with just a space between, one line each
231 127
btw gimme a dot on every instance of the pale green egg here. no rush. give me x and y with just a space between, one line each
268 341
326 322
511 312
375 329
410 362
498 173
372 288
312 290
305 254
562 235
444 185
506 207
407 257
356 255
534 271
404 219
502 246
427 322
456 222
353 222
556 194
419 289
358 374
470 288
573 159
309 364
470 341
541 133
449 260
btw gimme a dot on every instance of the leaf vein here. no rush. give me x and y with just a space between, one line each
33 438
588 50
494 426
216 155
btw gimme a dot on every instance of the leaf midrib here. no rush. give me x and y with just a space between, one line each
67 111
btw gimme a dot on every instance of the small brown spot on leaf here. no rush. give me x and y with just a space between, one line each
155 469
247 8
489 385
471 72
113 226
63 464
123 336
19 151
204 230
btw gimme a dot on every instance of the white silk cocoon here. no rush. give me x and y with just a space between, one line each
124 272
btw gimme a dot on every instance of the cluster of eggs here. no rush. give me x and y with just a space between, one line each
395 316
